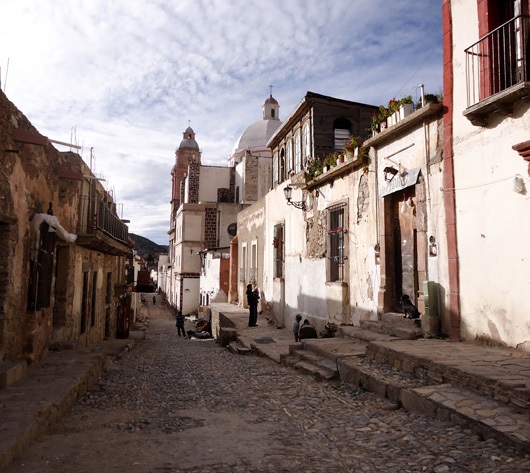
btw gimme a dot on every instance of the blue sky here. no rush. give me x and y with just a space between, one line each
124 76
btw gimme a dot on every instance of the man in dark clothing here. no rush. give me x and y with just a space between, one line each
252 300
180 324
307 330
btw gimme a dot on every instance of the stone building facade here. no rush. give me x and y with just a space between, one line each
62 247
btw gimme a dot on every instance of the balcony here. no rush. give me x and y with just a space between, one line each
497 71
100 229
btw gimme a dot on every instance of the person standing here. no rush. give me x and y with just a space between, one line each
180 324
296 327
252 300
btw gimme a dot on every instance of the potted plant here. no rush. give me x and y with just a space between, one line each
314 168
393 111
351 147
330 161
379 119
406 107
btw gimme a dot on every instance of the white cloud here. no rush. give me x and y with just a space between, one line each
129 74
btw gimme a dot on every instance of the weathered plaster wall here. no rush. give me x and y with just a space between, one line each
31 177
492 223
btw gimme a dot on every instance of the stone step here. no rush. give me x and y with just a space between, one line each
333 348
406 332
11 372
378 378
319 371
479 376
358 333
238 349
314 359
483 415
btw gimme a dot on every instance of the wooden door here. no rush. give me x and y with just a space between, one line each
405 248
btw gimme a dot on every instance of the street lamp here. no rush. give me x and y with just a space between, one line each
288 191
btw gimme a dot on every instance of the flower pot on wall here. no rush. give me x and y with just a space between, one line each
405 110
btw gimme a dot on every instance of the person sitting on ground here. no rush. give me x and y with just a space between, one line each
307 331
296 327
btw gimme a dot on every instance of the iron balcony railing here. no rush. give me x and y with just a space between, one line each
95 215
498 61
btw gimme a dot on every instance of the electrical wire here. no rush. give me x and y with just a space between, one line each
481 185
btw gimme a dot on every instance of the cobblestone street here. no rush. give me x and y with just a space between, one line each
178 405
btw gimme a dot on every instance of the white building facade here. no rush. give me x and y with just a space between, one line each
487 145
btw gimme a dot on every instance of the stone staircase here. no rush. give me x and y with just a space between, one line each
394 324
463 394
484 389
306 361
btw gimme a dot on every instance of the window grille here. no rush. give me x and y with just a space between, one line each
41 266
336 242
278 244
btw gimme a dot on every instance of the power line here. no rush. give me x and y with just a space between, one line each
416 71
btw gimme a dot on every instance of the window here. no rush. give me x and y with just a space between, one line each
498 60
297 152
243 271
94 299
307 143
289 159
336 242
341 133
84 303
282 166
275 168
278 250
41 269
253 271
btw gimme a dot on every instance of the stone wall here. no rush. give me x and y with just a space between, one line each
37 178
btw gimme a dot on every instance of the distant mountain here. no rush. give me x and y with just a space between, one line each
144 246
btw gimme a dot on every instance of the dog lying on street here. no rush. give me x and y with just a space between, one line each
411 311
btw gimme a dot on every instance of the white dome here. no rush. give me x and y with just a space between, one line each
257 135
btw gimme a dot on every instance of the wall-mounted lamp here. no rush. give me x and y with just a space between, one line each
288 191
389 172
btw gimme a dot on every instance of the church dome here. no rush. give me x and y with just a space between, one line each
188 143
188 140
257 135
271 99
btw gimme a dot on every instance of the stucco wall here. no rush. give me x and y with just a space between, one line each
492 223
212 178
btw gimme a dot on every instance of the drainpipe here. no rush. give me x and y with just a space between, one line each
448 174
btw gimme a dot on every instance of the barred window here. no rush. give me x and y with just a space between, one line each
41 269
336 243
278 250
